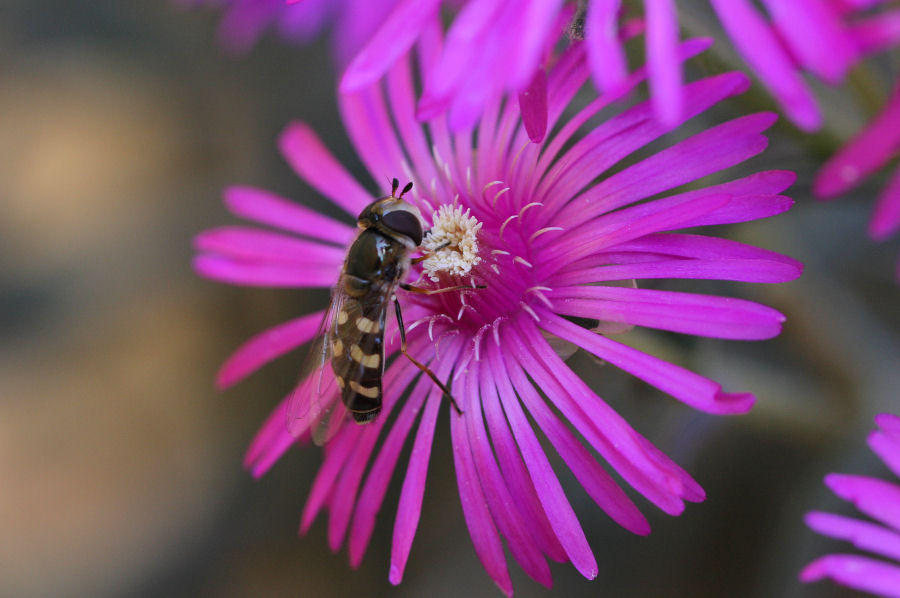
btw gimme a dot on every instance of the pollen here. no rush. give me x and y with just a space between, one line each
452 243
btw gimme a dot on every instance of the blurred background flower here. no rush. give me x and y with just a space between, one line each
120 463
879 500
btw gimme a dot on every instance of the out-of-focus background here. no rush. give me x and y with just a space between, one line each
120 465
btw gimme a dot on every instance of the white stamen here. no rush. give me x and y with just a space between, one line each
499 193
522 261
452 243
540 232
496 330
495 268
530 311
499 252
506 222
540 295
527 206
489 185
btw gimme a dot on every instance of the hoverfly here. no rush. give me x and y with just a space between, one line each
351 336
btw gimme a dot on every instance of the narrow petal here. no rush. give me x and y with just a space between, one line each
599 485
533 105
858 572
270 442
762 50
367 122
267 346
688 313
886 441
863 534
623 226
520 483
876 33
250 244
701 247
876 498
710 151
503 507
686 386
409 508
396 380
661 482
264 274
663 64
766 271
886 217
313 163
475 510
604 49
392 39
270 209
338 451
544 483
622 135
822 44
867 152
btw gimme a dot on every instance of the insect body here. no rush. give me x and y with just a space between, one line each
352 332
375 264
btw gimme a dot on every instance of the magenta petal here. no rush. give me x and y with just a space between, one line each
861 573
520 483
409 508
821 44
868 151
661 482
663 64
251 244
886 441
395 36
533 105
863 534
688 313
765 271
604 49
372 493
503 507
266 346
761 49
876 498
270 442
589 473
886 217
270 209
475 510
338 451
313 163
261 274
876 33
686 386
715 149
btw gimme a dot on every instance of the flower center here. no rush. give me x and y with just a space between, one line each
452 243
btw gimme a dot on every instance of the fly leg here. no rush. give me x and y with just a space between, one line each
423 291
422 258
419 365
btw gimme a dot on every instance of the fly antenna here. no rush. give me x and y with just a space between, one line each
394 184
406 189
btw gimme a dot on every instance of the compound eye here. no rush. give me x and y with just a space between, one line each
404 223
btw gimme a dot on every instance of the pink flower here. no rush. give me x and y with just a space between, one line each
879 500
560 232
245 21
865 154
502 45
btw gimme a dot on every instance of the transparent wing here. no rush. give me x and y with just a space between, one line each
315 403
